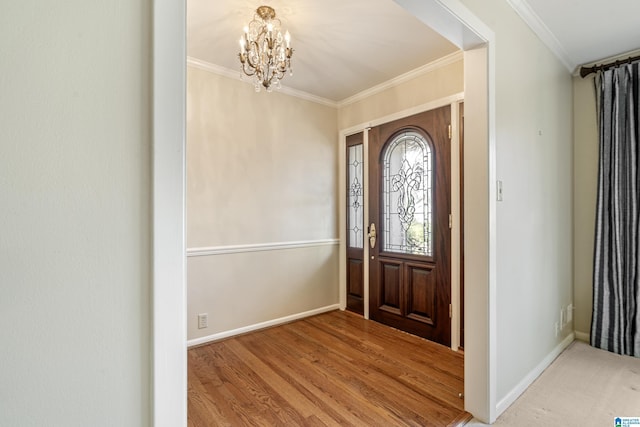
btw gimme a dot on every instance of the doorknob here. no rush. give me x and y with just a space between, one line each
372 235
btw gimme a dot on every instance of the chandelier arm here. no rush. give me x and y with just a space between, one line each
251 72
253 47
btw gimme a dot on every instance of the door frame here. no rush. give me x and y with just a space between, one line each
167 355
453 101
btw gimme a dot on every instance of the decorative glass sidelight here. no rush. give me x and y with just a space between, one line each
355 197
407 199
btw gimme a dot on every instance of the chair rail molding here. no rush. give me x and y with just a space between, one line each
259 247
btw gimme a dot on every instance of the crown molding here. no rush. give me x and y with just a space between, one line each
213 68
534 22
235 75
427 68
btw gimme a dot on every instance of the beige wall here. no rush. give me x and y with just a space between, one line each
534 221
75 244
437 84
585 158
248 288
261 169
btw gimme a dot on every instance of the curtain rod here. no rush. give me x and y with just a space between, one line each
585 71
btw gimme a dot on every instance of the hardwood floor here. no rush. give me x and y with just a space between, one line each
327 370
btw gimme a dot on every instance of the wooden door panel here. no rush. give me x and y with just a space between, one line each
355 285
355 278
390 287
421 295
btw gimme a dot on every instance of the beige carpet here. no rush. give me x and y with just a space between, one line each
584 386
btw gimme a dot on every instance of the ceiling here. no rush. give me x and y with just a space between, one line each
583 31
343 47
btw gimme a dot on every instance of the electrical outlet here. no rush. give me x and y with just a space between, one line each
557 329
562 317
203 320
569 313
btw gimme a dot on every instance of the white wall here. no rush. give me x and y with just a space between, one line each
75 213
534 222
261 170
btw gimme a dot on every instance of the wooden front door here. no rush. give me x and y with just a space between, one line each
409 211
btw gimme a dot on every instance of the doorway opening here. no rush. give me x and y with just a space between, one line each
168 352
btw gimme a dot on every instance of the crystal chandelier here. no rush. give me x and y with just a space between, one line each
265 54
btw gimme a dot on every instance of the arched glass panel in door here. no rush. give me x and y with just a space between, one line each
407 199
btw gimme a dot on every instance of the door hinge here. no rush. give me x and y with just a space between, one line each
450 221
449 131
450 312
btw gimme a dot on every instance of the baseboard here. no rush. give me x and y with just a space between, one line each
583 336
513 395
262 325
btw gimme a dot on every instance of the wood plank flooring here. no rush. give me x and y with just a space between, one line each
328 370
